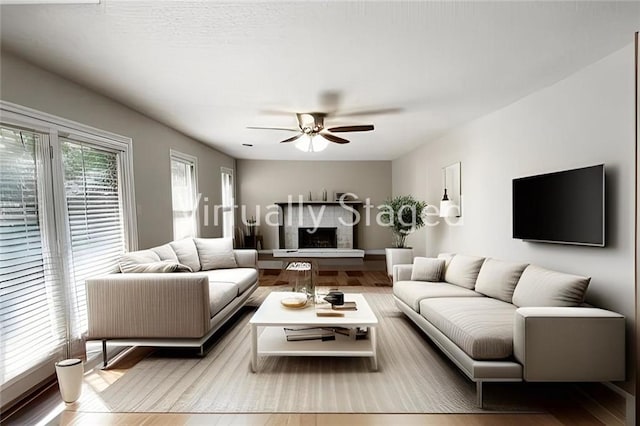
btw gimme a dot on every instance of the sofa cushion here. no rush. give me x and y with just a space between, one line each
220 295
161 266
187 253
498 278
215 253
412 292
242 277
482 327
542 287
463 270
130 261
166 252
427 269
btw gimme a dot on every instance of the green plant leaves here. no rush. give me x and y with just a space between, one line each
403 214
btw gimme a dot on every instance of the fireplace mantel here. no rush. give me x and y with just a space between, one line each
319 203
334 214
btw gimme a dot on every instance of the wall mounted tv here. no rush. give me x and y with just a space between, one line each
565 207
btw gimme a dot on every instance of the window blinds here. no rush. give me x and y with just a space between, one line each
45 259
184 198
31 310
94 213
227 203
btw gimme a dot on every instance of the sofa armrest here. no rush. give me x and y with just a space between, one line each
171 305
570 344
402 273
246 258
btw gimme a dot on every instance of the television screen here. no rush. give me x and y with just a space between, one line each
563 207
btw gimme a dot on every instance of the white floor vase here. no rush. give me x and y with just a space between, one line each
70 372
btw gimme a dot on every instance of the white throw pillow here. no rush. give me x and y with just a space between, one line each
130 260
447 258
216 253
187 253
166 252
498 278
427 269
542 287
463 270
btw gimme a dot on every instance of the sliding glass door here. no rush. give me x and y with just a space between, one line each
66 209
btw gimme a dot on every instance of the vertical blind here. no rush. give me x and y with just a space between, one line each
62 220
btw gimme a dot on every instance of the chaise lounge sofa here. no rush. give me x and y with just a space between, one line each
502 321
177 294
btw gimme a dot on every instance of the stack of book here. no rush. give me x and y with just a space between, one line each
324 333
354 333
309 333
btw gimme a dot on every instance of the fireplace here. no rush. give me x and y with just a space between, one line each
321 238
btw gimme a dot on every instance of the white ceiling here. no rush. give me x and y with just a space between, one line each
211 69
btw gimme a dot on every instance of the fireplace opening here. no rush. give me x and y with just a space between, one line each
321 238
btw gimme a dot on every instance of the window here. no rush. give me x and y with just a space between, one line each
184 195
94 212
32 321
66 213
227 202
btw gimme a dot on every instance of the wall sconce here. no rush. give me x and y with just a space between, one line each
446 205
450 206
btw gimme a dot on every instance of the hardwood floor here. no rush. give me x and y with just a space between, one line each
592 405
72 418
331 272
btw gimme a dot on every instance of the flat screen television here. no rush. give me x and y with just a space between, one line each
564 207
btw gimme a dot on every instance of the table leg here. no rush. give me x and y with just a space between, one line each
374 346
254 348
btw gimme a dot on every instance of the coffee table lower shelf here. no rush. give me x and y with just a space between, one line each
272 341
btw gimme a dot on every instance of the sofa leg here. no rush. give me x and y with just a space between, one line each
201 351
479 393
105 360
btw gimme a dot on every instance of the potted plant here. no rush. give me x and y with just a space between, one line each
403 214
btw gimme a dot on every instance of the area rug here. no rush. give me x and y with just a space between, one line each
413 377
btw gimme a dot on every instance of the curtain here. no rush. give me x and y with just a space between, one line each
32 310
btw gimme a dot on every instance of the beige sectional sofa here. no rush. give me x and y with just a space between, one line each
177 294
505 321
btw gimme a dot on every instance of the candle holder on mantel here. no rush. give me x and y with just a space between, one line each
302 276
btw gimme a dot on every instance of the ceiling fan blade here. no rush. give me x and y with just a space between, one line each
364 128
289 129
333 138
293 138
367 112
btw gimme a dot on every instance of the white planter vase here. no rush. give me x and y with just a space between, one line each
70 372
398 256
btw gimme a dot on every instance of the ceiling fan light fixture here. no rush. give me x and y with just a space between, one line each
312 143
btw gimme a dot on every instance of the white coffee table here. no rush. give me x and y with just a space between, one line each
268 337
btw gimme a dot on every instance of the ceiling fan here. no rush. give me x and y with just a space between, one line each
313 136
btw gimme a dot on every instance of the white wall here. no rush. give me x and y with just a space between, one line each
583 120
25 84
264 182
